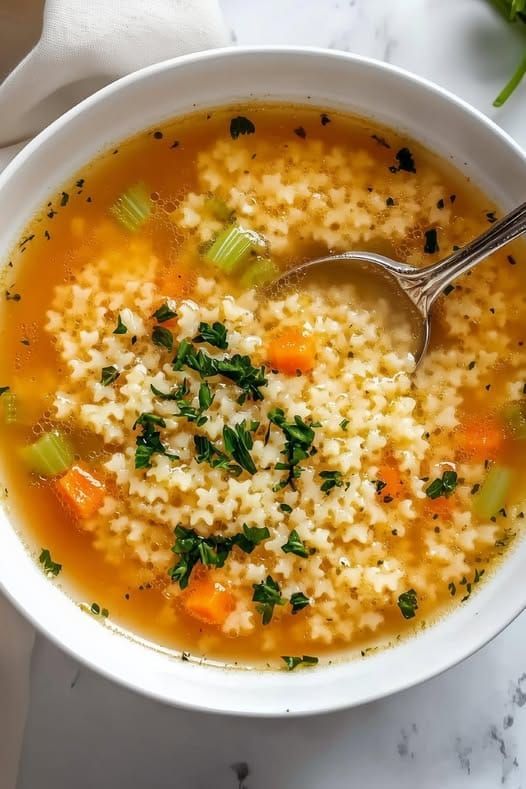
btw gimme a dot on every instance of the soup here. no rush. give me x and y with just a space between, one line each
248 475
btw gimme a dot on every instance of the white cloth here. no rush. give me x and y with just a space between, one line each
84 45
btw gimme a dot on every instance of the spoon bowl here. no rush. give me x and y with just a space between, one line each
414 289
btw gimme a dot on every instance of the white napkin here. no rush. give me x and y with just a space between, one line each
84 45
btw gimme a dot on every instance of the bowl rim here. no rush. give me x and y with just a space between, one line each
317 705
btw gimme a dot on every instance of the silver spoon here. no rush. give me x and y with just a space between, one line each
421 286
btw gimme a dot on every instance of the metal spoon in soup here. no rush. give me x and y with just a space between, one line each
415 289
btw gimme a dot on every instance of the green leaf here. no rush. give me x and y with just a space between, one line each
163 337
164 313
298 601
206 398
108 375
442 486
293 661
241 125
214 334
149 443
295 545
49 566
408 603
332 479
238 443
267 595
252 536
121 327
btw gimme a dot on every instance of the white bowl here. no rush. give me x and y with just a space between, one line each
144 99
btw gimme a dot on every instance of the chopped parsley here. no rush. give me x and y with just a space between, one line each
96 610
238 369
295 545
213 551
149 442
344 424
64 200
293 661
298 445
405 160
408 604
452 588
324 119
4 389
238 442
121 327
267 595
298 601
214 334
331 479
186 409
241 125
108 375
163 337
48 565
431 244
300 132
207 452
164 313
443 486
285 507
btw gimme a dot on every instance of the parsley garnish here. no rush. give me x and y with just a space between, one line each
332 479
443 486
295 545
298 445
210 551
48 565
207 452
405 160
164 313
292 661
214 334
163 337
186 410
4 389
431 245
285 507
241 125
344 424
298 601
108 375
407 603
238 442
267 595
238 369
149 443
96 610
121 327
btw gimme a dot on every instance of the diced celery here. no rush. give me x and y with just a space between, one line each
261 272
232 246
219 209
493 492
514 415
50 455
133 207
10 406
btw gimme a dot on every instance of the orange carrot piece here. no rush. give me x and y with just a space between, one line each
480 438
208 601
292 350
441 506
81 492
390 475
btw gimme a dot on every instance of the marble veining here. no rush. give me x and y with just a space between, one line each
464 729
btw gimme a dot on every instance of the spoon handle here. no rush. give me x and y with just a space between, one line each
429 282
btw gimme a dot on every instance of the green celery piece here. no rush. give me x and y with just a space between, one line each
514 415
231 247
50 455
261 272
133 208
493 492
10 406
219 209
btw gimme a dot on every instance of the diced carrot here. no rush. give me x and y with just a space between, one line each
208 601
480 438
292 350
80 491
389 474
441 506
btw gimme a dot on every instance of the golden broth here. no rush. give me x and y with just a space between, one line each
73 229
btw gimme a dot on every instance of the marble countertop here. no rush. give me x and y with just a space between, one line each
466 728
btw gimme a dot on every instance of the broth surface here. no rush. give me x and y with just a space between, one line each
310 182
